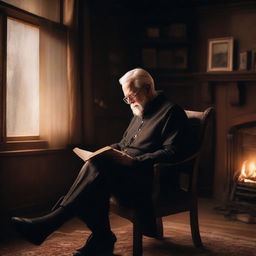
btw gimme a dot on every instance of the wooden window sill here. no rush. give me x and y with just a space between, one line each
28 152
23 145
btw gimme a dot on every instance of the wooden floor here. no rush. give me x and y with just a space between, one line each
209 219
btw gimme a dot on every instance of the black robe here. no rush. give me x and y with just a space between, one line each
162 134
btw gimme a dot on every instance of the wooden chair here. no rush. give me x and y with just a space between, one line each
165 200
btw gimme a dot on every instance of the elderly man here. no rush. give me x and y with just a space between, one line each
158 132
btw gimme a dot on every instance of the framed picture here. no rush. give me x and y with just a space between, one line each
253 60
245 60
220 54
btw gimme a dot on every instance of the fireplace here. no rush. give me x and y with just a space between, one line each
233 96
241 203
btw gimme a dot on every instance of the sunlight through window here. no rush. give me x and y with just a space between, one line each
22 113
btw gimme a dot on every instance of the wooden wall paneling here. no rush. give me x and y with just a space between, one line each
237 94
31 182
221 141
115 43
208 93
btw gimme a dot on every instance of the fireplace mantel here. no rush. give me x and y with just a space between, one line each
235 76
242 120
235 79
228 76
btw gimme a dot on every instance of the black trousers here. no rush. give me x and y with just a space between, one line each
101 178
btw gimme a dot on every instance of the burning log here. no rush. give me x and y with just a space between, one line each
248 172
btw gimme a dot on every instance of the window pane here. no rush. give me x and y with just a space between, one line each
22 79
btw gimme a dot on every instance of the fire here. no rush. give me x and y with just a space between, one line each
248 172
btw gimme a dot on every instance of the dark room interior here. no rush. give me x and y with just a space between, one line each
61 61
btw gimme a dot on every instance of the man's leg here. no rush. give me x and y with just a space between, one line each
89 198
37 229
132 187
96 216
84 181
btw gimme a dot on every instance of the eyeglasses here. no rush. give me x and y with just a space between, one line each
130 97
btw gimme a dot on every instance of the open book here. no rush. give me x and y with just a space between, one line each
107 151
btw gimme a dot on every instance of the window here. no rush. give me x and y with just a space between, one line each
34 102
22 79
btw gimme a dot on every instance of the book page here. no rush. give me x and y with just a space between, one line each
84 154
107 151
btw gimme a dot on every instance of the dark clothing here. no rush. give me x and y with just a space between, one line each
162 134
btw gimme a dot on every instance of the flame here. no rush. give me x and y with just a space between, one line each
248 172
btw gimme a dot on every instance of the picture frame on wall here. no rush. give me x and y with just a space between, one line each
253 60
220 54
245 60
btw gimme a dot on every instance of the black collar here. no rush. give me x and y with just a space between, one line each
153 105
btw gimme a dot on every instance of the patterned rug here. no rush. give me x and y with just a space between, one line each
177 242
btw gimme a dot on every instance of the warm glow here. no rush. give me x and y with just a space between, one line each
22 79
248 172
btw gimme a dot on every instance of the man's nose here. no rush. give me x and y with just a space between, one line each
132 100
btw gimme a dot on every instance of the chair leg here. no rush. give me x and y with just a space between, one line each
194 226
159 226
137 239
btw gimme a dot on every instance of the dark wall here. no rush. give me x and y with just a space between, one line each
117 38
226 21
32 182
114 51
117 41
231 93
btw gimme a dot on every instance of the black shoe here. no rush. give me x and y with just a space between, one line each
36 230
32 232
96 246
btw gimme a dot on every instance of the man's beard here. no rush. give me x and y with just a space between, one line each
137 109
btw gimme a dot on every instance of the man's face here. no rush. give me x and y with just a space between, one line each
137 98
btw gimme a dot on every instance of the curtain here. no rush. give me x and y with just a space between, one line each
60 85
70 19
86 63
54 98
49 9
76 17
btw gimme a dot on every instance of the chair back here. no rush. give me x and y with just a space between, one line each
199 121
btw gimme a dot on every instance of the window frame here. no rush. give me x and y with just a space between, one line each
8 11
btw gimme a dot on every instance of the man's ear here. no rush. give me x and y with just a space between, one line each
147 89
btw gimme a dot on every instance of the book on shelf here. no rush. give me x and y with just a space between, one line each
107 151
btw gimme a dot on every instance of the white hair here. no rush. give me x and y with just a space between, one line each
138 77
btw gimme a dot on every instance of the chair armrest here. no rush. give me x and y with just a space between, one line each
170 165
170 172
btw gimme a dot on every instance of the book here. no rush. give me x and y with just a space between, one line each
107 151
